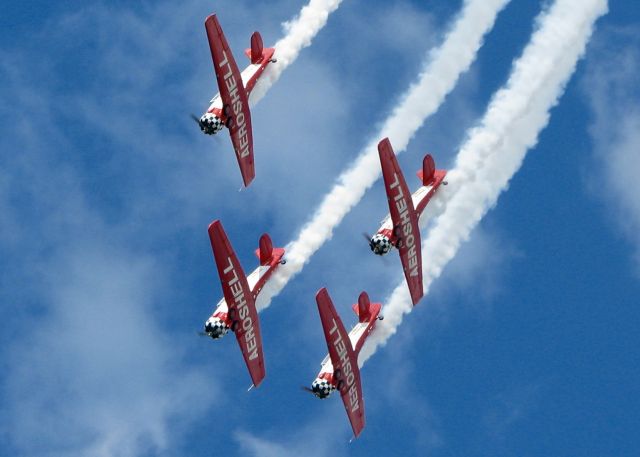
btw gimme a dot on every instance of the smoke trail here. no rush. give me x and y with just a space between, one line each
438 78
298 35
495 150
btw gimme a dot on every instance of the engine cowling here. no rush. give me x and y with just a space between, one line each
380 244
210 124
322 388
215 327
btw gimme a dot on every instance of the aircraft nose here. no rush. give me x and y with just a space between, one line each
380 244
321 388
215 328
210 124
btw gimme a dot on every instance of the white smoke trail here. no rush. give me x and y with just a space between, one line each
444 67
298 35
495 150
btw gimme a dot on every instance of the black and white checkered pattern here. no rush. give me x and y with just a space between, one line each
380 244
215 327
210 123
322 388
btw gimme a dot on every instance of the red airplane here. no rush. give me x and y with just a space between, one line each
400 228
230 107
340 367
237 310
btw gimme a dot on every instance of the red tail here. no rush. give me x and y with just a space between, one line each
256 48
428 173
265 249
428 170
363 307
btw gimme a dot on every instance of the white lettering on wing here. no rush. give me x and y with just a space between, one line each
240 304
348 374
408 237
234 87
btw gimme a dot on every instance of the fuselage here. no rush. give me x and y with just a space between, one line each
215 118
387 236
325 382
219 323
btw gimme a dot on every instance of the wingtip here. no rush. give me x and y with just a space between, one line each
321 292
383 142
214 225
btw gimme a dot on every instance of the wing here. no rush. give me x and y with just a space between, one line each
242 308
235 102
344 360
405 219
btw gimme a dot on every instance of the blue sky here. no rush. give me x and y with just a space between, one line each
525 345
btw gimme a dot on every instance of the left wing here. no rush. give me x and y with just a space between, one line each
405 219
240 301
235 101
344 360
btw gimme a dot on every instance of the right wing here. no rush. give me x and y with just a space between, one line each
235 102
344 361
242 307
405 219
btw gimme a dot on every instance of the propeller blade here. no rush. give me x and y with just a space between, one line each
307 389
195 118
367 237
202 333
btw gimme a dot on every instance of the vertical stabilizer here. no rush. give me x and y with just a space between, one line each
265 249
256 47
363 307
428 170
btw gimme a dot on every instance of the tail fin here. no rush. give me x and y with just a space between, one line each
427 174
256 48
265 249
362 308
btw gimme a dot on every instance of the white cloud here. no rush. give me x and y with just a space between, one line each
611 87
509 407
320 437
479 268
94 372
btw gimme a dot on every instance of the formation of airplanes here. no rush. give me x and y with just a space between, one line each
236 311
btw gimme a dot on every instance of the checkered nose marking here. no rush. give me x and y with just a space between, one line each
380 244
215 328
210 124
322 388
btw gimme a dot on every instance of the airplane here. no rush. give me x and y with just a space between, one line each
230 107
339 369
400 228
236 311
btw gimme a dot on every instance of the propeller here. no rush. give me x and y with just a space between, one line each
202 333
307 389
197 119
202 127
367 237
